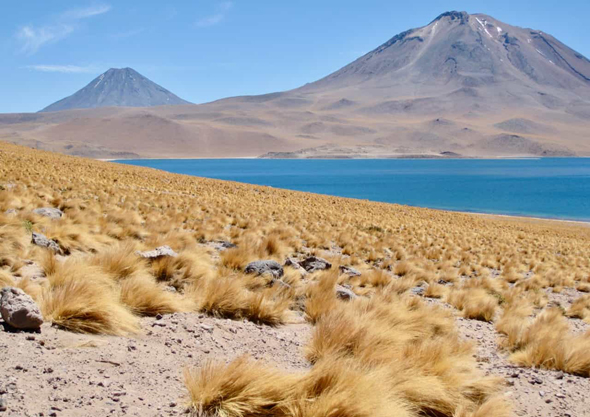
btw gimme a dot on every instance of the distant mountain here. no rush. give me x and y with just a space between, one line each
464 85
459 55
123 87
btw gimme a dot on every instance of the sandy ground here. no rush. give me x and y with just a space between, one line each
57 373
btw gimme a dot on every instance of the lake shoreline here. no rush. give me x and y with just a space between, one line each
371 158
530 188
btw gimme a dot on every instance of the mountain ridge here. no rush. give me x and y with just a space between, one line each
463 85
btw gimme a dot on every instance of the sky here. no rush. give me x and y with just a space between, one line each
203 50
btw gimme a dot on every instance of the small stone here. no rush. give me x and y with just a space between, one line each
350 271
345 293
159 252
41 240
3 405
313 263
207 328
221 245
265 267
50 212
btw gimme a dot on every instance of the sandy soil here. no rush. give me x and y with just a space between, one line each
57 373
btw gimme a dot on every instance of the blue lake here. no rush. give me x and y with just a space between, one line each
549 187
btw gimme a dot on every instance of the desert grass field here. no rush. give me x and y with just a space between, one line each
390 346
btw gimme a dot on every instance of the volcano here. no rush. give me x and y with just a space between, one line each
123 87
462 62
464 85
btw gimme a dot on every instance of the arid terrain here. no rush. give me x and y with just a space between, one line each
462 85
154 303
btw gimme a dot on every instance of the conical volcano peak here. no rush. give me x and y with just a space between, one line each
463 17
122 87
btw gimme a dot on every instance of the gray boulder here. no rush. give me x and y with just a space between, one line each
41 240
345 293
19 310
313 263
50 212
265 267
159 252
350 271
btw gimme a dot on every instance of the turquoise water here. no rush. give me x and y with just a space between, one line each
549 187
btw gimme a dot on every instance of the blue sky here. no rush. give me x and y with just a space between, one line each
203 50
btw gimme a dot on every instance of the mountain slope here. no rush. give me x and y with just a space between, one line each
463 85
461 50
117 87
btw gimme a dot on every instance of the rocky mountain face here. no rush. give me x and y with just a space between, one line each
461 86
461 50
117 87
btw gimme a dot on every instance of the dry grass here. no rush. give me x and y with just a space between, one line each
475 303
386 356
580 308
402 354
547 342
242 388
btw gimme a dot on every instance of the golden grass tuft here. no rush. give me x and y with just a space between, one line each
580 308
143 295
242 388
547 342
81 299
475 303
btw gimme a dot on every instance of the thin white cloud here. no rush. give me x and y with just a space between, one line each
68 69
216 18
33 38
76 14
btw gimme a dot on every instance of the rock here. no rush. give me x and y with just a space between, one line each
224 244
314 263
350 271
50 212
3 406
345 293
41 240
294 263
10 212
159 252
263 267
19 310
417 290
207 328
